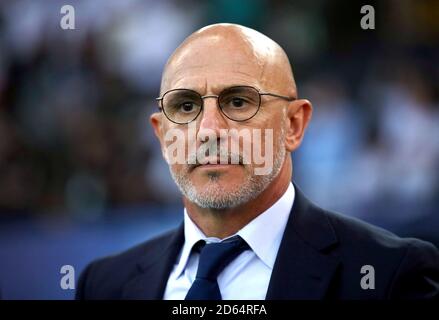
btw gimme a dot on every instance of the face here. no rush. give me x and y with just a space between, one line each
220 176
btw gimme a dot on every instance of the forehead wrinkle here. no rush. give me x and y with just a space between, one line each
239 75
204 67
203 85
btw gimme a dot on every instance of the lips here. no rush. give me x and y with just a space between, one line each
215 161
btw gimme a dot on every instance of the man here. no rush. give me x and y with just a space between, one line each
249 235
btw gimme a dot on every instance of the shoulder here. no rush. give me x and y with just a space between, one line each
110 273
354 233
406 267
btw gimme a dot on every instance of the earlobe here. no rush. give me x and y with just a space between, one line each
299 115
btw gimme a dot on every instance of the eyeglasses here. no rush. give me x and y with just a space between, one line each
239 103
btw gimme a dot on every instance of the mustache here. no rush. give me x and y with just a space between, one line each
212 153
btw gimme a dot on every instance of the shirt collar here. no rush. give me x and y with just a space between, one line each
270 223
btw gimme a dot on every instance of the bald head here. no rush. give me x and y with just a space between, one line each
229 52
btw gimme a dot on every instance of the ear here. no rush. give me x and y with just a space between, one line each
156 122
299 114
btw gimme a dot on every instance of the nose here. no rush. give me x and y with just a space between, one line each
211 119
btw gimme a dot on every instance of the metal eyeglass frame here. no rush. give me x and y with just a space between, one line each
160 99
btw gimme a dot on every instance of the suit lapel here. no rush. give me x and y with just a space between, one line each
305 263
153 271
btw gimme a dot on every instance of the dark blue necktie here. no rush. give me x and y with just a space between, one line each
214 257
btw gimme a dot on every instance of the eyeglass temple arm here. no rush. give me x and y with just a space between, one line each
277 95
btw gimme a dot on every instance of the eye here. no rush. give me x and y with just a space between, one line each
237 102
187 107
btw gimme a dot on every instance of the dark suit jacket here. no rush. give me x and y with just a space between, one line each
320 257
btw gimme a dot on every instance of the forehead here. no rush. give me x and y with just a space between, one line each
210 65
211 79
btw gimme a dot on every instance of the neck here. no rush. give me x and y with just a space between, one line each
226 222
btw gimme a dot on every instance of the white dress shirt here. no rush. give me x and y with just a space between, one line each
247 276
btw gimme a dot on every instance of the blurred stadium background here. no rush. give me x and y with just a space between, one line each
81 175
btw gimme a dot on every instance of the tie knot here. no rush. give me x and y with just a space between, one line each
214 257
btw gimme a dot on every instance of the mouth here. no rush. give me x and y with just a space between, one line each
215 163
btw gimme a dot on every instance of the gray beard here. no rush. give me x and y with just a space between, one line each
213 196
